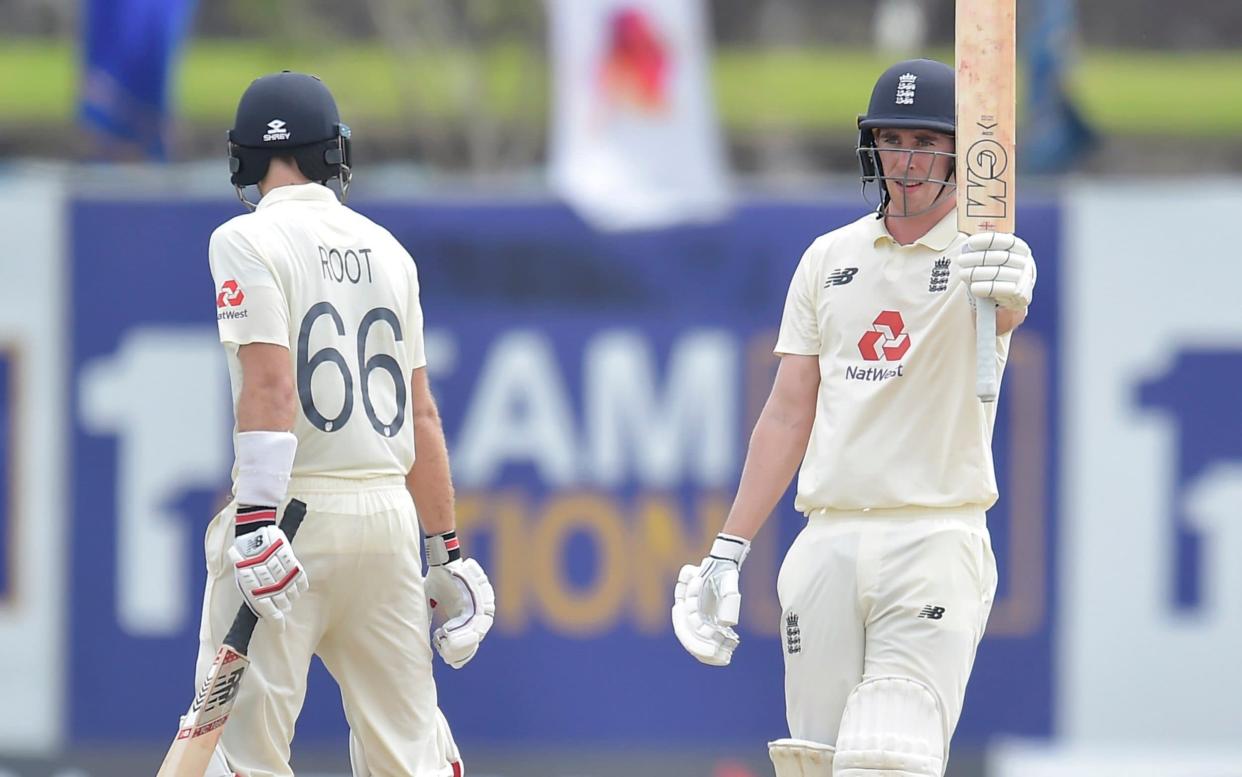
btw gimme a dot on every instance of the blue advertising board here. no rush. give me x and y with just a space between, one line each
597 392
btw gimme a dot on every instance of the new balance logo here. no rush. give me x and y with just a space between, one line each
793 635
841 276
932 612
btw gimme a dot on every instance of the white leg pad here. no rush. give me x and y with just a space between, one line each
800 758
892 726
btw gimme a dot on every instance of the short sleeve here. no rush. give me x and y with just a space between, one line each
415 348
799 332
250 307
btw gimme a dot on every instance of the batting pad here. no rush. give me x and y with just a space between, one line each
800 758
891 726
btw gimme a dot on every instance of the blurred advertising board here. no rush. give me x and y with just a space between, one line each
597 392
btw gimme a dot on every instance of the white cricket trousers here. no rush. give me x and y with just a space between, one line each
365 615
883 593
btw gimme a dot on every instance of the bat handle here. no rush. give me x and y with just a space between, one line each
243 624
986 384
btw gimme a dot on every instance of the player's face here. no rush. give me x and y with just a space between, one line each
917 163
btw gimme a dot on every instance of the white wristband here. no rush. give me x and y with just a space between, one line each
264 462
728 547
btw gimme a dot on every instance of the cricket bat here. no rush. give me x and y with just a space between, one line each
984 49
200 730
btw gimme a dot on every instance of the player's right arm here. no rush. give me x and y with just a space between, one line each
777 444
253 316
707 600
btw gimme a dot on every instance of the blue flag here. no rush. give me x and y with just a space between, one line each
1056 134
130 49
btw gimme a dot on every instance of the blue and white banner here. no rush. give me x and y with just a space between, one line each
1056 133
35 569
130 50
1153 507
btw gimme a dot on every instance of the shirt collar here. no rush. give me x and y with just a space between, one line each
938 238
304 192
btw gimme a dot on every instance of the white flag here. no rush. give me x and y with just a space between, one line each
635 141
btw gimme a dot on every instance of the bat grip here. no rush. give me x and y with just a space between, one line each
244 622
986 384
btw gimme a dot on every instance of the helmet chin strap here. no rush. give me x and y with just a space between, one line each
241 195
344 173
947 186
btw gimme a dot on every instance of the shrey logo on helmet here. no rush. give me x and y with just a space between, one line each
276 130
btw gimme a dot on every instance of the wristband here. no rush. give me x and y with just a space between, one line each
728 547
264 464
442 548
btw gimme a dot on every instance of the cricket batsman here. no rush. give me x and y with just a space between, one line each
319 314
886 591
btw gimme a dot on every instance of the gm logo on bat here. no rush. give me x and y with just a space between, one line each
986 192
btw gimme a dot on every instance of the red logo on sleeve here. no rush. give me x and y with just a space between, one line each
230 295
886 340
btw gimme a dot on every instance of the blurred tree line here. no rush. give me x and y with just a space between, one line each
1114 23
469 132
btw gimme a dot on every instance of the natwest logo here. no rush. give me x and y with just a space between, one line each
887 338
230 295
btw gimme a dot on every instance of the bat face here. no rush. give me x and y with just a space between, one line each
202 726
200 730
986 55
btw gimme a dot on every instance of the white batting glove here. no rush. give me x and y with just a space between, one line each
998 266
707 601
267 573
462 599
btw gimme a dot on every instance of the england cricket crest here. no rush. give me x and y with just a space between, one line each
793 634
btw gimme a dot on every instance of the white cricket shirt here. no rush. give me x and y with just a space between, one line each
897 421
340 292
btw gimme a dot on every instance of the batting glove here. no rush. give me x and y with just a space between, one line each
462 600
998 266
267 573
707 601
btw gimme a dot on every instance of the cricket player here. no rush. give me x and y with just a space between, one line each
886 591
318 310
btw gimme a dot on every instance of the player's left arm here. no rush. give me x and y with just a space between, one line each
462 597
999 266
429 481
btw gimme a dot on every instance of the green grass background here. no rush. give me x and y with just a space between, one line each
1121 92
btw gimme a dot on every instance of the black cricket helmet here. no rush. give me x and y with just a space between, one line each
914 94
288 114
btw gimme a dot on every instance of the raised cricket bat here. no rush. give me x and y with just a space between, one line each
201 728
984 47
